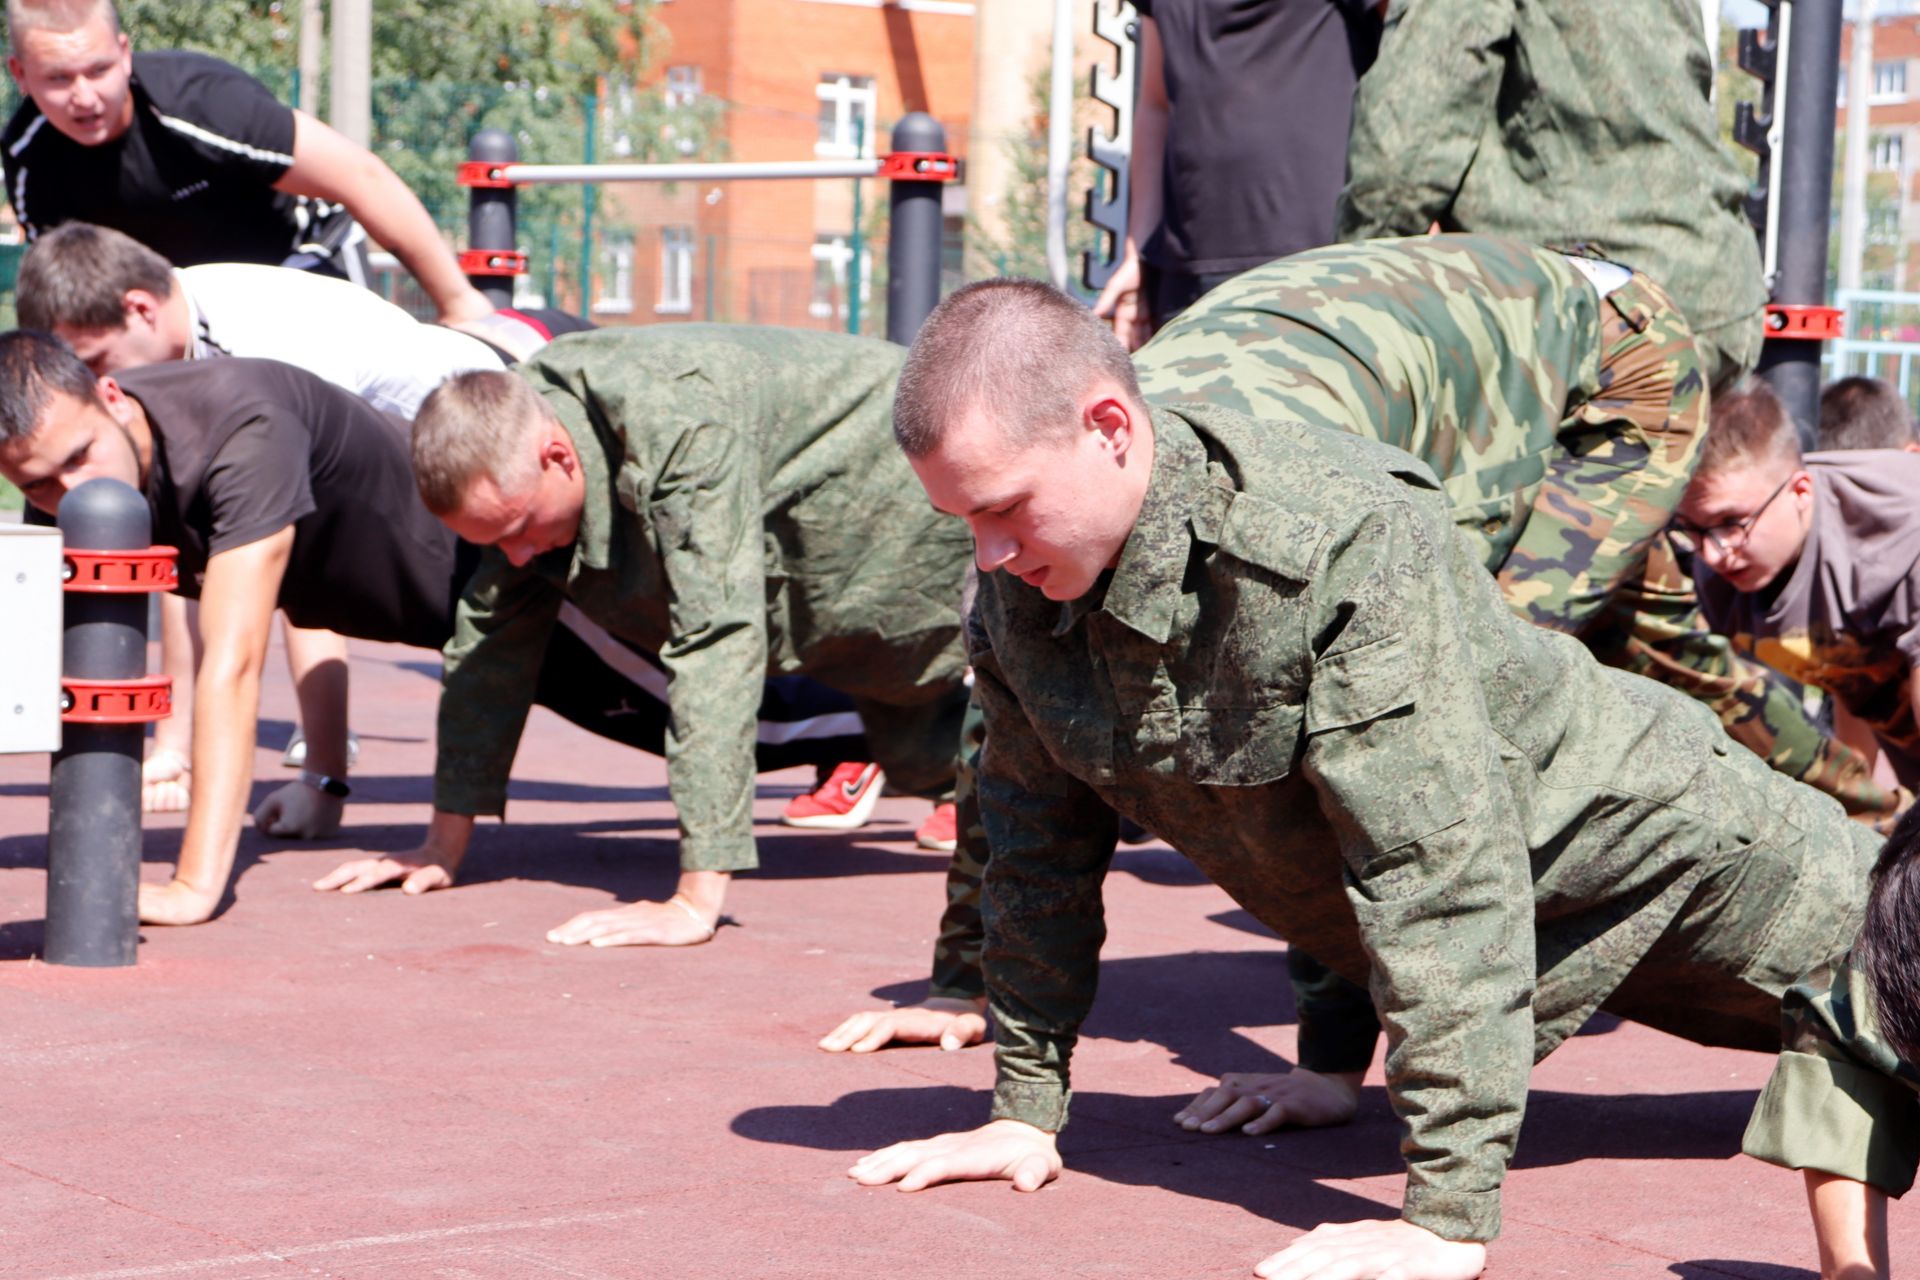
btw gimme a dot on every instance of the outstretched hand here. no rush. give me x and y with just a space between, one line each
1372 1251
300 812
1260 1102
417 871
1007 1149
942 1020
673 923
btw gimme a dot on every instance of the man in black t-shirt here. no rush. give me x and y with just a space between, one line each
196 159
1239 144
281 490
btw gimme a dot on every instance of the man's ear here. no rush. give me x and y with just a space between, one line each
556 449
1111 417
138 304
17 71
119 406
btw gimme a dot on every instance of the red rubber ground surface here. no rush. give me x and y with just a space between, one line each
393 1087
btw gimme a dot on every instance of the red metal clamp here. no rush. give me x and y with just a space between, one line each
481 173
120 571
139 700
493 262
1813 324
920 166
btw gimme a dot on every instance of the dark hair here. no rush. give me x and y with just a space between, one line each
1747 425
78 275
34 365
1021 350
1864 413
1888 950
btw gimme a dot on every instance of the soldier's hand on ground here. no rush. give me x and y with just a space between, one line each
166 782
947 1022
1366 1250
641 924
416 871
1008 1149
299 812
1260 1102
177 902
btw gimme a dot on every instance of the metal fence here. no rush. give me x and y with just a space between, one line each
1882 340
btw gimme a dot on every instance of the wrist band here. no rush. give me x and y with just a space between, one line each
321 782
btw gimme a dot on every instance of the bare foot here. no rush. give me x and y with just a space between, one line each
176 902
673 923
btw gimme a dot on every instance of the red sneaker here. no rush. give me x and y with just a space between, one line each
841 803
941 830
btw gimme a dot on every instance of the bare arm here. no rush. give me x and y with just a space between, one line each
236 617
329 165
1850 1223
1131 323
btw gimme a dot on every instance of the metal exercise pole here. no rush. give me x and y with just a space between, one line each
492 218
93 837
913 243
1803 170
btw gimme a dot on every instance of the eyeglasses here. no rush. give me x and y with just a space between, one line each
1728 537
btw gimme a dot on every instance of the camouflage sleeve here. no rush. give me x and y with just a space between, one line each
1044 917
705 507
1400 752
1338 1028
1839 1100
1419 114
1653 626
1626 456
492 666
956 952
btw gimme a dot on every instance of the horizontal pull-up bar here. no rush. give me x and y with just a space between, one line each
910 165
916 168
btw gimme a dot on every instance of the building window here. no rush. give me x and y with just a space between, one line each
1886 152
676 271
1889 82
616 272
683 87
846 113
832 259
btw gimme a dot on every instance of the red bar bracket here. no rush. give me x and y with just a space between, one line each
1812 324
139 700
920 166
120 571
481 173
493 262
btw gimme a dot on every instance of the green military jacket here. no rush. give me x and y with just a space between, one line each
1479 356
1560 122
747 513
1840 1099
1301 678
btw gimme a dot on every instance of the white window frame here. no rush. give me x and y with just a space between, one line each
837 252
846 92
1889 82
1886 153
684 86
676 272
616 273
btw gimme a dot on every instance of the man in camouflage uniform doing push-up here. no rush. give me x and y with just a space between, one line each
1561 403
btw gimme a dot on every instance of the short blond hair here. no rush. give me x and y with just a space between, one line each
1749 426
56 15
479 423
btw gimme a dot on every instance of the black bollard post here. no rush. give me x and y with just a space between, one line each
493 214
93 837
1790 357
913 242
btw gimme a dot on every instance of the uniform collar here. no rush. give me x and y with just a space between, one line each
1143 589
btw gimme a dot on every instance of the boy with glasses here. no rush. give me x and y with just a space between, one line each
1812 565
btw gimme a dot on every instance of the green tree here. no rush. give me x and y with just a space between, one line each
1021 250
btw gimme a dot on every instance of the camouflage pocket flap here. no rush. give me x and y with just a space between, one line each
1239 746
1361 684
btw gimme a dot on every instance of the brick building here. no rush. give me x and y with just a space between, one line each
780 80
1893 149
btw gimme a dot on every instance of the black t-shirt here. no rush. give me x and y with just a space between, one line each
1260 101
244 448
192 177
